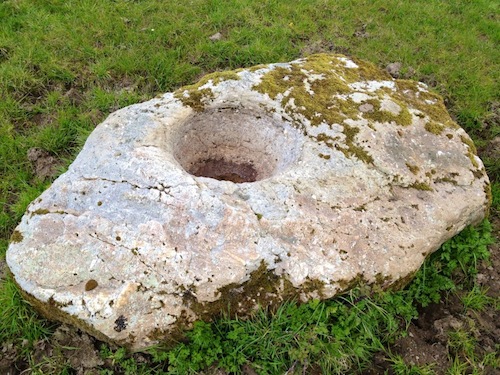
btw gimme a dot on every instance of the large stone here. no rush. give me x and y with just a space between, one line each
279 181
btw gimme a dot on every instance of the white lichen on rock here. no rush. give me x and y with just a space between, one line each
290 180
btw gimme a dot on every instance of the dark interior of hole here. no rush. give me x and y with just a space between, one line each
221 169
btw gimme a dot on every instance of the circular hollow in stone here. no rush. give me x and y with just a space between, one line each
234 145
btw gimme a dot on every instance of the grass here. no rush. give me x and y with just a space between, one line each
66 64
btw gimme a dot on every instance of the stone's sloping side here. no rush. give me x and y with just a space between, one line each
358 177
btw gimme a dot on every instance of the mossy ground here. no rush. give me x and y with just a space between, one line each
65 65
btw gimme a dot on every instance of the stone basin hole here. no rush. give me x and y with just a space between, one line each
236 145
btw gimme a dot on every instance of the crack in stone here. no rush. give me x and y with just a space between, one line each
134 252
41 211
117 182
99 257
161 187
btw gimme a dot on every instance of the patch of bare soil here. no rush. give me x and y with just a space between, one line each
67 347
44 164
428 339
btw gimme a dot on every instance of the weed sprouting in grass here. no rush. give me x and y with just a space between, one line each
458 367
399 367
476 299
495 194
462 343
122 362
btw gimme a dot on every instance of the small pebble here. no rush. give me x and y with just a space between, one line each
394 69
366 108
215 37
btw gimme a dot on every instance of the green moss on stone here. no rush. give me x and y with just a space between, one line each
427 102
51 310
215 78
40 211
403 118
218 77
16 236
367 71
260 289
196 96
489 197
326 139
401 282
421 186
44 211
447 180
413 168
313 286
310 97
264 288
471 150
257 67
353 149
348 284
434 127
316 99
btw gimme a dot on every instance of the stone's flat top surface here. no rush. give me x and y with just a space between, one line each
357 177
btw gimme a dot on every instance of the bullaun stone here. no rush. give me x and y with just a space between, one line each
250 187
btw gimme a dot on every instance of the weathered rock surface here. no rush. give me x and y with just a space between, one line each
286 180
